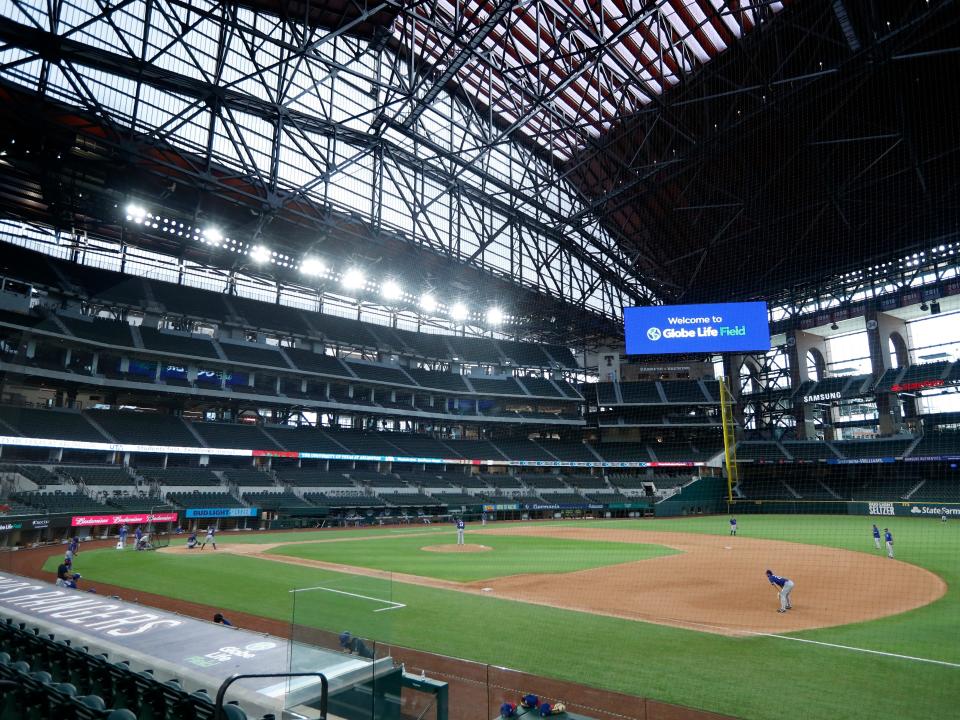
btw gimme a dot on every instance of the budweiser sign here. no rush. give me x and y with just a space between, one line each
131 519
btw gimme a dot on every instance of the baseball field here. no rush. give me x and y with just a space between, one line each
674 609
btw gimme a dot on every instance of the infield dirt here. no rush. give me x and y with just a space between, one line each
714 584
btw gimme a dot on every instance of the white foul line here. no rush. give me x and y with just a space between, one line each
826 644
394 605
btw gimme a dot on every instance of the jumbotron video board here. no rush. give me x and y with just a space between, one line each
710 328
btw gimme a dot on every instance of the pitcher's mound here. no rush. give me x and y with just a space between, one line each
457 548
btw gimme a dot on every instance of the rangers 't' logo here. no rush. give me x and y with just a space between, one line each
653 334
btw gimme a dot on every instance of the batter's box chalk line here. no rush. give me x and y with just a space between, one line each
390 603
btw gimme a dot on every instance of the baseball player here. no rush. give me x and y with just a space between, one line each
943 516
210 538
137 536
123 536
460 526
74 546
483 518
888 539
876 537
784 587
733 526
192 541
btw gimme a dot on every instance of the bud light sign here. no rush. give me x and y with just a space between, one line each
720 327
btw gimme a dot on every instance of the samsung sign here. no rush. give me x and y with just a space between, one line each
718 327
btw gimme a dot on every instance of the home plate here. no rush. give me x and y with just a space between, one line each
487 589
727 547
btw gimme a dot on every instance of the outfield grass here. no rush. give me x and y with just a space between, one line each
761 677
509 556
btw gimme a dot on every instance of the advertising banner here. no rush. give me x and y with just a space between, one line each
123 519
905 509
221 512
710 328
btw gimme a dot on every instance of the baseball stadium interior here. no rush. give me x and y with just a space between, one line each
285 274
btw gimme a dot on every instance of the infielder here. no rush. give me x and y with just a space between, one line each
123 536
733 526
784 587
876 537
460 526
137 535
888 539
210 538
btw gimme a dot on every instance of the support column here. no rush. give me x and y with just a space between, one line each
881 327
799 343
731 369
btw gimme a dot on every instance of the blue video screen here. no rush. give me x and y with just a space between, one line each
710 328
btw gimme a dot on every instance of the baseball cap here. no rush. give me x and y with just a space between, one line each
344 637
769 572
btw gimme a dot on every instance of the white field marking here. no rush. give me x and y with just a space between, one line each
826 644
393 605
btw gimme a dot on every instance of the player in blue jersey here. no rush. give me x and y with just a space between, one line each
137 536
123 537
784 587
876 537
733 526
888 539
74 545
210 538
460 526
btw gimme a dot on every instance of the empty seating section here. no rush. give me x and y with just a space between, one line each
59 502
102 332
203 500
439 380
49 677
668 481
640 393
274 500
253 354
562 355
808 487
888 379
362 443
341 330
759 451
493 386
181 476
809 450
303 439
378 481
567 389
409 499
476 450
379 373
925 371
606 394
316 362
142 428
247 478
502 482
626 481
570 451
456 499
567 498
764 487
946 442
38 474
543 481
938 489
610 497
411 445
475 482
524 354
540 387
520 449
683 391
179 344
623 452
133 503
97 474
883 486
59 424
872 448
474 350
343 501
586 482
269 315
230 435
190 301
315 478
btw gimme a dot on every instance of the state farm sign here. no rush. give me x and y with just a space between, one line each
129 519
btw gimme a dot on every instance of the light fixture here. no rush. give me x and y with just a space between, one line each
391 290
924 306
459 312
212 235
259 254
428 302
312 266
494 316
834 326
352 279
136 213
